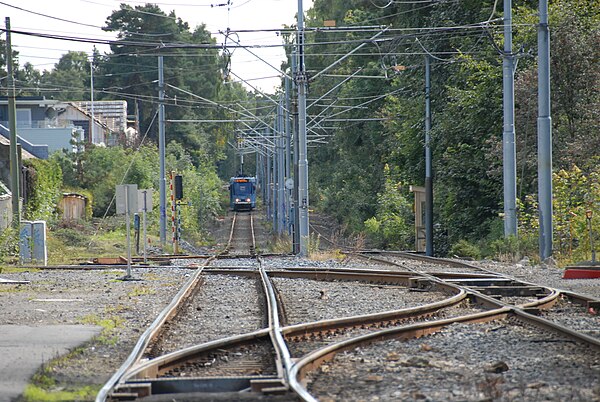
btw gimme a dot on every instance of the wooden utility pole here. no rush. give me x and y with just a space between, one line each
12 124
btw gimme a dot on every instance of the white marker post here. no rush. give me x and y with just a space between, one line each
127 203
145 200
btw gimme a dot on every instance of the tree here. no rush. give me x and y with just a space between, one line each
191 66
69 80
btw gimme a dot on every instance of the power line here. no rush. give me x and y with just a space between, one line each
50 16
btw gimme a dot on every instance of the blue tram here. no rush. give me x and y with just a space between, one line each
242 193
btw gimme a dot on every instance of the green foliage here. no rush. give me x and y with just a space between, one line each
202 192
466 102
73 237
190 70
34 393
9 245
348 176
575 191
465 249
513 249
393 224
104 168
69 79
44 189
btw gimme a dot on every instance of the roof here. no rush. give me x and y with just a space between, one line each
113 113
24 154
30 100
4 190
98 121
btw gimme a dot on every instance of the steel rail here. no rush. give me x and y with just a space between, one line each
253 245
305 329
164 363
313 360
547 302
151 332
587 301
284 358
543 323
228 245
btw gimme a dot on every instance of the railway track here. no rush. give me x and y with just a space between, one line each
297 329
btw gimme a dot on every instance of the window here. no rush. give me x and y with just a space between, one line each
24 118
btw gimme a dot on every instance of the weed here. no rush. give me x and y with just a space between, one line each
9 245
113 272
314 243
513 249
17 270
324 255
109 325
281 244
36 393
464 249
141 291
9 289
44 388
151 277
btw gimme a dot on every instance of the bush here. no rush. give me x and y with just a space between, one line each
513 249
9 244
464 249
43 189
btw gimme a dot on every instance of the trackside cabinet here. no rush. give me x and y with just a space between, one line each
32 243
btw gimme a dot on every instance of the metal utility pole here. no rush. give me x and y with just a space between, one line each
302 158
92 133
295 193
268 186
544 128
161 154
288 159
508 137
428 179
282 171
275 197
12 120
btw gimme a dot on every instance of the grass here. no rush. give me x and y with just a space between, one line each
325 255
109 325
12 289
84 241
43 387
7 269
141 291
280 245
34 393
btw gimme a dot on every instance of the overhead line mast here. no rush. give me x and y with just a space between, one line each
301 83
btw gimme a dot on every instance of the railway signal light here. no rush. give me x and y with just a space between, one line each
178 187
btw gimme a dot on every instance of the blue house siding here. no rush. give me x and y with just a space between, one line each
39 151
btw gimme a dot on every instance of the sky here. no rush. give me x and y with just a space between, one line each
217 15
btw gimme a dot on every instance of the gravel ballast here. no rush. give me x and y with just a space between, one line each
126 308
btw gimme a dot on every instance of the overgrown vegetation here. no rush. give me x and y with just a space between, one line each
43 190
362 174
45 388
356 177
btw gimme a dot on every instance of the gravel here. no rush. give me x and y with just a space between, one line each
126 308
223 306
308 300
499 361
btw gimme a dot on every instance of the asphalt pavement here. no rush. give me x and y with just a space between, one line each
23 349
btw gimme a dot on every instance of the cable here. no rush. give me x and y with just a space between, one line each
123 179
49 16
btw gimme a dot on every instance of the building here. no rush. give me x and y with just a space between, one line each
45 125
